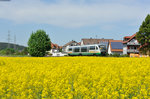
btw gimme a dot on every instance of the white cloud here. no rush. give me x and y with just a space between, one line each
69 14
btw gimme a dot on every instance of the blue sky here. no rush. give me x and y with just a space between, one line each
66 20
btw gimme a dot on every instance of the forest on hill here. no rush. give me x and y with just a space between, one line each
4 45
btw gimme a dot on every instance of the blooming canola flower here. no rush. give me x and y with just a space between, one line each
74 77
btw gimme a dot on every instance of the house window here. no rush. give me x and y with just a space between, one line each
135 47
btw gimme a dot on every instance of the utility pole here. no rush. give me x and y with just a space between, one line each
14 42
8 39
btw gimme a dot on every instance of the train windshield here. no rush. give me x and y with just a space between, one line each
102 47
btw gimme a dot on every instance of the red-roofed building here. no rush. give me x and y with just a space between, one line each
115 47
130 45
90 41
54 48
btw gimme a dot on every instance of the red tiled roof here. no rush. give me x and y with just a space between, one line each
54 45
87 41
127 36
131 37
115 41
60 47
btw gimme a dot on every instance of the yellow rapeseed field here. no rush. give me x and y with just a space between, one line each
74 78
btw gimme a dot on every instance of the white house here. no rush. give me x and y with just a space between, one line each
130 45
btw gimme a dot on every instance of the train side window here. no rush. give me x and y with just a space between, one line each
70 49
76 49
83 49
92 47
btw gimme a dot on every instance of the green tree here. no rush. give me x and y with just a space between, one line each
39 42
143 35
25 51
8 51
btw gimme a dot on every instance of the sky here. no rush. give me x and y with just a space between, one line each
66 20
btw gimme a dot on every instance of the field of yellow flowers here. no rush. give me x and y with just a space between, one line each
74 78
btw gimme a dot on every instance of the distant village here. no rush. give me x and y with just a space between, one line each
128 46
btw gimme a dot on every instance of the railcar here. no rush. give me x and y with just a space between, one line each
87 50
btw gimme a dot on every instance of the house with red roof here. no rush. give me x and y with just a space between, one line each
115 47
90 41
130 45
54 48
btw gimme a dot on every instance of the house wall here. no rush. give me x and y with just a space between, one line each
82 42
124 48
134 41
53 51
64 49
109 49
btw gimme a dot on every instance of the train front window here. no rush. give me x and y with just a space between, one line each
70 49
77 49
96 48
102 47
83 49
92 47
